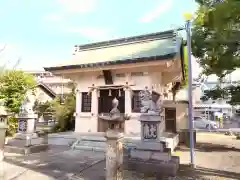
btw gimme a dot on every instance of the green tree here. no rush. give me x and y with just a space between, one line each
216 41
13 86
63 112
61 109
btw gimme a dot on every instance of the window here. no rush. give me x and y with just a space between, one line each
86 102
136 102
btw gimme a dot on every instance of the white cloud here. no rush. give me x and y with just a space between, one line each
53 17
69 7
163 7
94 33
78 6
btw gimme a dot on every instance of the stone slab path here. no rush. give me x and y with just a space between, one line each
217 157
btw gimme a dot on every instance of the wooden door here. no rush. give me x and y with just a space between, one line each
170 120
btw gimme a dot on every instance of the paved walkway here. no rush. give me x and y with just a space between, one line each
216 155
58 163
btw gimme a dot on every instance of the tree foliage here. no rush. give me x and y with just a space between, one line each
216 36
13 86
215 93
62 112
216 41
42 108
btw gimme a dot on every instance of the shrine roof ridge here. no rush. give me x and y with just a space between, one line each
137 49
131 39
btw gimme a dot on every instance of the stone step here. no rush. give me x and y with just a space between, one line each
89 145
26 150
148 155
99 144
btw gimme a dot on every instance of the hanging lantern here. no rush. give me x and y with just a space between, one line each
119 92
110 92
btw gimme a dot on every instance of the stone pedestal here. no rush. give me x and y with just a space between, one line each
151 129
27 140
26 127
2 141
151 154
114 155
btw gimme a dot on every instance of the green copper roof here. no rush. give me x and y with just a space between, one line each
160 46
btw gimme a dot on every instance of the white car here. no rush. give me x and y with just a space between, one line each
202 123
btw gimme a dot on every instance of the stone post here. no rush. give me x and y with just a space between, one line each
2 141
78 102
3 128
114 155
94 110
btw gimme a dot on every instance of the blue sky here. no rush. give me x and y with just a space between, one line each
44 32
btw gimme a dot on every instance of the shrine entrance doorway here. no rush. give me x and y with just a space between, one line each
170 120
105 105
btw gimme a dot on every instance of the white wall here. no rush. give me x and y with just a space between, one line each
87 122
41 96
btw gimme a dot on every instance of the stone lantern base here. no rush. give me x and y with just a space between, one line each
27 141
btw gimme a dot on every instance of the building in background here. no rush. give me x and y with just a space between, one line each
211 108
57 84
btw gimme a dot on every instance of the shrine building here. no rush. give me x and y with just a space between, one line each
120 69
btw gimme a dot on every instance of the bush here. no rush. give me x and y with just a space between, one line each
12 124
64 118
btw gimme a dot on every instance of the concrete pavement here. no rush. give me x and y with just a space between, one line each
58 163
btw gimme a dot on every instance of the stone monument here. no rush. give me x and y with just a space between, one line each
114 150
27 119
151 154
26 139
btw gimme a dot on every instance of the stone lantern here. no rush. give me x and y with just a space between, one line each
27 140
114 135
3 127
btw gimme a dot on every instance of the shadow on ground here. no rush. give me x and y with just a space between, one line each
210 147
186 172
64 164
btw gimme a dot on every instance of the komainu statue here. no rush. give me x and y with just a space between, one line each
151 102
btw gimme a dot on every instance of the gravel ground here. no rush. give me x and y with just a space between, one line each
217 157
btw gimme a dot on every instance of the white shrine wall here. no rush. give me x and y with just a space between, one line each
138 77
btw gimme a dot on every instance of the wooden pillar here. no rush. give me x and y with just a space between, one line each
78 103
94 110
